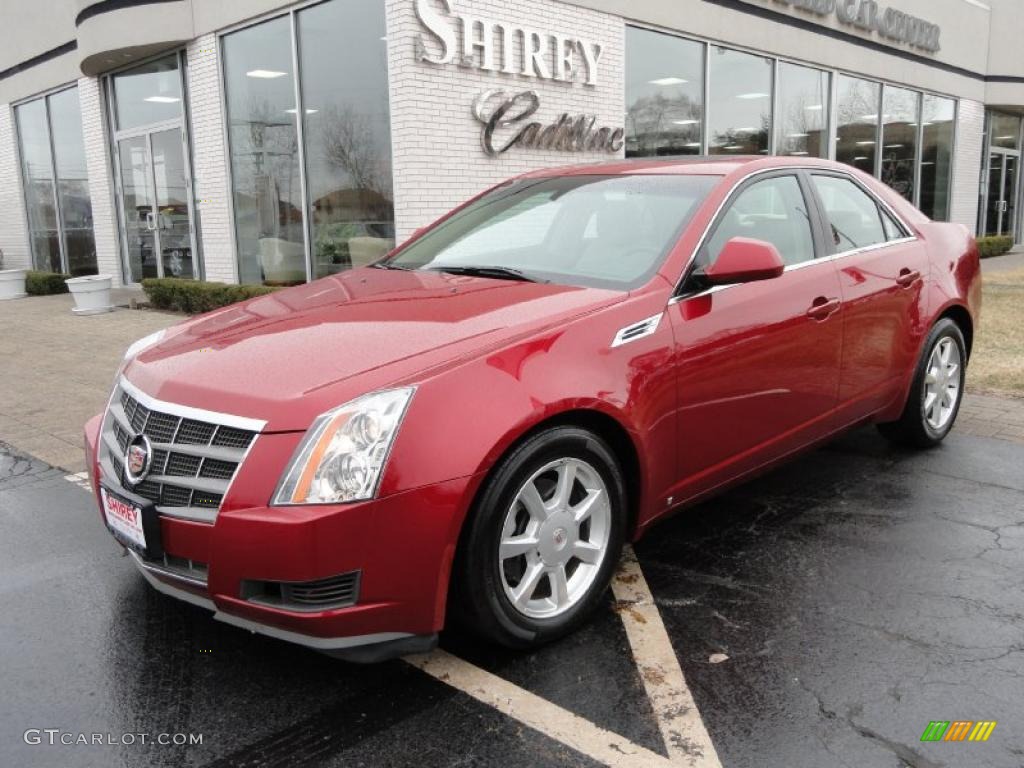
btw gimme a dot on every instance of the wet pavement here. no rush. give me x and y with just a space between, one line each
858 594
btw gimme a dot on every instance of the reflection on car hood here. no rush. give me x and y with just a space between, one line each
291 355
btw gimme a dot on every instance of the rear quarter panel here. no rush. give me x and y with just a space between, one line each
953 286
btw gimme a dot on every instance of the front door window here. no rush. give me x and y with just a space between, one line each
154 189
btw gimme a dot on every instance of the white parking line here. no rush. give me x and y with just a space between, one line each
682 728
686 739
540 714
81 479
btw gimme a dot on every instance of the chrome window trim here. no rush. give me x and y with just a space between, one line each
675 298
792 267
189 412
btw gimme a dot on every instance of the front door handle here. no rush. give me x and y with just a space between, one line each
823 308
907 277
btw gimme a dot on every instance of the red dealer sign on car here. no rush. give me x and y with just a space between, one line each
123 517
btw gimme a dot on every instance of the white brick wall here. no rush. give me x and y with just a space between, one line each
101 188
13 233
438 160
967 163
209 161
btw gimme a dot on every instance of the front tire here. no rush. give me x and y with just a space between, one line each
936 392
543 540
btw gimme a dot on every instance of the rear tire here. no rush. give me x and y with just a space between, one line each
936 392
543 540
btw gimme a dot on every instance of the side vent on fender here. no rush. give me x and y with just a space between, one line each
637 330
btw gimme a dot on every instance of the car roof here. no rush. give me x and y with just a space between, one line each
691 165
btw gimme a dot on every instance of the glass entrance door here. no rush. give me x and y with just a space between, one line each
155 205
173 217
154 184
137 207
1001 206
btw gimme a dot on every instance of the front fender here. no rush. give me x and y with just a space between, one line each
462 420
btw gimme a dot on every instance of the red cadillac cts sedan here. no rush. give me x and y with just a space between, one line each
474 425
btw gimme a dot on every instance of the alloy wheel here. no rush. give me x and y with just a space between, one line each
555 538
942 384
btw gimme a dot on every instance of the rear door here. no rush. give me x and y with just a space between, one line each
758 363
882 270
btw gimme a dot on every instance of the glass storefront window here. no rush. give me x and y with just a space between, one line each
37 172
739 103
1005 131
347 133
56 183
664 94
264 149
147 94
938 116
72 182
802 111
347 217
857 104
900 118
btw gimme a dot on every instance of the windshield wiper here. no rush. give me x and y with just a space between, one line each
499 273
389 265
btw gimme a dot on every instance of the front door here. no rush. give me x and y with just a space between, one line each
758 363
1001 207
154 186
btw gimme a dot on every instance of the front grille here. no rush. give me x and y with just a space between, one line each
325 594
193 462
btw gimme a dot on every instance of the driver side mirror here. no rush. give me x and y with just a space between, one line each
743 260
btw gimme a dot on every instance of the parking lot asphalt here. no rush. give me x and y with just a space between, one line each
823 615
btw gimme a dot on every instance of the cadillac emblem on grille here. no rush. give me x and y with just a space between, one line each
138 458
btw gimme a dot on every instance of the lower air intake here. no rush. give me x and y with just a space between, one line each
333 592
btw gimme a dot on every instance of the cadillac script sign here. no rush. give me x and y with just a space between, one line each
490 45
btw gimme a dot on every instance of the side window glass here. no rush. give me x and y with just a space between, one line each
853 217
773 210
893 229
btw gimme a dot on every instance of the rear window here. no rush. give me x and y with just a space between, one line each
601 231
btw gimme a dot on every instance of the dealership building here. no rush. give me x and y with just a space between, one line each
258 141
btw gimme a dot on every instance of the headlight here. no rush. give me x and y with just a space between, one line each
343 454
144 343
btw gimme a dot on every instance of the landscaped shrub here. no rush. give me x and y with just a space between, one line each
994 246
45 283
195 296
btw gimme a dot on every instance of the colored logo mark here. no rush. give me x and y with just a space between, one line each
958 730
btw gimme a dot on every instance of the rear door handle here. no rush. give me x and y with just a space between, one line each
907 277
823 308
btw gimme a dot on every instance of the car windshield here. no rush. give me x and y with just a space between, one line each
599 231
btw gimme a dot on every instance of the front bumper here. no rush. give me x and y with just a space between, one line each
402 547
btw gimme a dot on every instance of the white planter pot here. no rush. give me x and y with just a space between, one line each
12 283
91 294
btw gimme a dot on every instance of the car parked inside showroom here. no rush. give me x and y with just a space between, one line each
472 427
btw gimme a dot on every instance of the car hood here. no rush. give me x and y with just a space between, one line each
286 357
